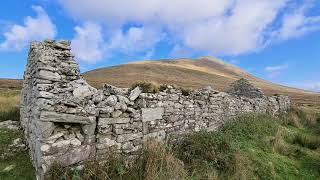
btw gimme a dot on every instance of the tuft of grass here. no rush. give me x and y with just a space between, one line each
157 162
205 148
147 86
279 144
9 105
304 140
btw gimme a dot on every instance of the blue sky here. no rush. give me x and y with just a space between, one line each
276 40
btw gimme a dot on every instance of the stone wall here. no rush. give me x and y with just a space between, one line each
68 121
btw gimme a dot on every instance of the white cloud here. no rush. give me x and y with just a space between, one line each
219 27
34 28
275 70
87 44
136 39
90 46
307 85
297 24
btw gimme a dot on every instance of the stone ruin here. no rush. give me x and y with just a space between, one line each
68 121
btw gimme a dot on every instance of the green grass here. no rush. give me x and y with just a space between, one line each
14 165
264 153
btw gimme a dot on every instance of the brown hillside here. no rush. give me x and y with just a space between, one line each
190 73
10 84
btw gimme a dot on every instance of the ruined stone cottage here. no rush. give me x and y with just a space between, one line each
67 121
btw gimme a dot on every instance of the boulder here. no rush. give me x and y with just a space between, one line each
82 92
108 89
111 100
134 94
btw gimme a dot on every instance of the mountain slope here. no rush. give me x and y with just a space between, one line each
190 73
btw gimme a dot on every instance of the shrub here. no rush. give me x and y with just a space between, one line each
205 148
311 142
147 86
186 91
163 87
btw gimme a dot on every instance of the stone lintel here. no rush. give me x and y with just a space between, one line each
65 118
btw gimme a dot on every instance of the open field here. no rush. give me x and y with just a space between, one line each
9 104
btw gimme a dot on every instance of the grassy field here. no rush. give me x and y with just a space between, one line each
250 147
9 104
13 165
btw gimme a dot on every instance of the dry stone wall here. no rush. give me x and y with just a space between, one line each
68 121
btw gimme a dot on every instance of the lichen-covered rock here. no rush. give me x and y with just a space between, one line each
11 125
134 94
112 90
111 100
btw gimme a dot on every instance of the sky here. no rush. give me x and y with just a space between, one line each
276 40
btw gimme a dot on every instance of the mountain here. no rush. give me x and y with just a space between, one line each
190 73
187 73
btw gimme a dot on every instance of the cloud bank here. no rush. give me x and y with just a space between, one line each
34 28
218 27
